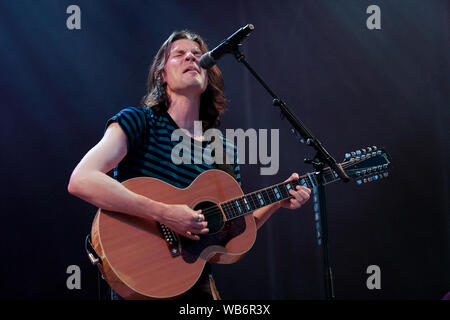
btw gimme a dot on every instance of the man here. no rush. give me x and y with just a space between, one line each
137 143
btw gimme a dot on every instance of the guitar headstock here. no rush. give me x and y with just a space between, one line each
368 164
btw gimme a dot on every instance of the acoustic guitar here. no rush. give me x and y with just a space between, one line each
142 259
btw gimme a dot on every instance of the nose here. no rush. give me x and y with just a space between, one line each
190 56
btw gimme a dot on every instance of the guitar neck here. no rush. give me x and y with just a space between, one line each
250 202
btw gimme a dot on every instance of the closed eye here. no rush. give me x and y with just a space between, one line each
177 53
180 53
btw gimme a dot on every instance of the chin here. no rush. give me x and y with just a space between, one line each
196 87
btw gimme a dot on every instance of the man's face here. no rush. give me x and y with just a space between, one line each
182 71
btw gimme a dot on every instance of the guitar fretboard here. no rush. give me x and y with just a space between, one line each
250 202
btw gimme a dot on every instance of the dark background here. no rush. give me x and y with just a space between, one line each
352 87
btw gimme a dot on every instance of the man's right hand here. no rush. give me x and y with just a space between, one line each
183 220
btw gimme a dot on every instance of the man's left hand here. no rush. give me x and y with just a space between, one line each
300 195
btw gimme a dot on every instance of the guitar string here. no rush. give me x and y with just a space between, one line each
227 205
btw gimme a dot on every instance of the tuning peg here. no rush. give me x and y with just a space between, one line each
369 149
374 148
348 156
363 151
353 153
358 152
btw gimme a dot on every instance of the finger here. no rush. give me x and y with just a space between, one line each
304 191
306 195
295 204
196 232
293 176
192 236
198 217
200 225
296 195
299 196
307 190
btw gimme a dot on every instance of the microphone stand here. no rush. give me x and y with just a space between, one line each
321 159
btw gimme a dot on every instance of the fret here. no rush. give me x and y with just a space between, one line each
251 202
249 199
289 187
276 190
246 204
284 191
260 199
266 196
303 181
269 195
242 204
238 206
232 210
308 180
227 210
254 201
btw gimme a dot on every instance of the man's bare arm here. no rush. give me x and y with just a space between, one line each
90 182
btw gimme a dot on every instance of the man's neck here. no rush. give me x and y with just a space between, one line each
184 110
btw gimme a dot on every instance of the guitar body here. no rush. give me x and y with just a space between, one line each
136 259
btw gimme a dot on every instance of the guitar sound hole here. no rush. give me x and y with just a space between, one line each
212 214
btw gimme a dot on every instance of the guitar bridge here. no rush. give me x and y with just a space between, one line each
171 240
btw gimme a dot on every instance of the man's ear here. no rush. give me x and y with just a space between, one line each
163 76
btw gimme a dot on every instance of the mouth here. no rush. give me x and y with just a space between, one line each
191 68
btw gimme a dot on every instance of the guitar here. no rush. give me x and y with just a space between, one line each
142 259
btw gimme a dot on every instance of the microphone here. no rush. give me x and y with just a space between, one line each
210 58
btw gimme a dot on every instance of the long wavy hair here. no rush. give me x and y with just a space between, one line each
212 101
